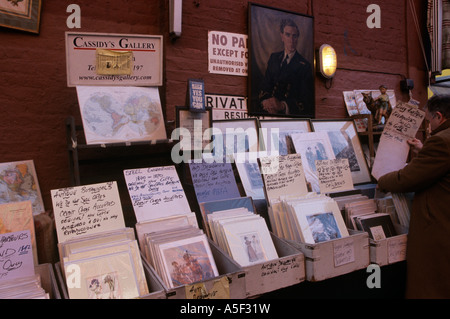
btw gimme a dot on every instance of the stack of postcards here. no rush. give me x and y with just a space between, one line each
106 265
365 215
23 288
359 208
18 279
243 235
312 218
181 255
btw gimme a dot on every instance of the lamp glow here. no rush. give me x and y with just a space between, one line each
327 61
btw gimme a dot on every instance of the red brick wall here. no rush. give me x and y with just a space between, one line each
35 100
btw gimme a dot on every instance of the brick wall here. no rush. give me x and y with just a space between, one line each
35 100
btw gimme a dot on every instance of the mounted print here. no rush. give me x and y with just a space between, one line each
20 14
281 73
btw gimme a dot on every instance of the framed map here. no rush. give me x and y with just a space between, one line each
20 14
121 114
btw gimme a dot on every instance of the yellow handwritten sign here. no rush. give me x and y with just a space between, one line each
219 290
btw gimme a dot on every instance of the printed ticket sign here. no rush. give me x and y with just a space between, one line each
113 59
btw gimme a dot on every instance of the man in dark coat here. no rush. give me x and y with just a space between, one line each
288 84
428 175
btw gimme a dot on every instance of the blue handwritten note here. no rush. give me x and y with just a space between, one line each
16 255
213 181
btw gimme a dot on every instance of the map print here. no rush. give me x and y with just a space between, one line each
120 114
18 183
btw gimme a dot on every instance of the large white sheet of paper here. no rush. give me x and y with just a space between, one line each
393 148
156 192
87 210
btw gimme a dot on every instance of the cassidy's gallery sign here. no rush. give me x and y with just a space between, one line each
113 59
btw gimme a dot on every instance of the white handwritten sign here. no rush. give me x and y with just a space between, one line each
283 175
227 53
344 252
87 209
397 249
334 175
16 255
393 149
156 192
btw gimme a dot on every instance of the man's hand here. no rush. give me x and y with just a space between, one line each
415 145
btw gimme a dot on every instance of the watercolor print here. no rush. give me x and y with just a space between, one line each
188 264
104 286
323 227
252 246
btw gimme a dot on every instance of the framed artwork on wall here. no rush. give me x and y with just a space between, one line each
236 136
22 15
197 123
346 144
274 133
281 60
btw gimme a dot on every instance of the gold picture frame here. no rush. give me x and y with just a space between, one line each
21 15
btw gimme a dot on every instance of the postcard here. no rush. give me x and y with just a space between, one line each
103 277
188 260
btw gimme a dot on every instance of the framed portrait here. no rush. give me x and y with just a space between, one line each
22 15
197 123
345 142
281 63
235 136
274 133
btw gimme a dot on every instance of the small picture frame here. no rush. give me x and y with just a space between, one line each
282 128
21 15
237 136
345 142
198 124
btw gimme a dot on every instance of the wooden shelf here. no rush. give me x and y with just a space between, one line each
81 153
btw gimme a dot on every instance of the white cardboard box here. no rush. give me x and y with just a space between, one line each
390 250
285 271
230 284
335 257
156 291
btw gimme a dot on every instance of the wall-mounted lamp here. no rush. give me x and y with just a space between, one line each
327 61
175 13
